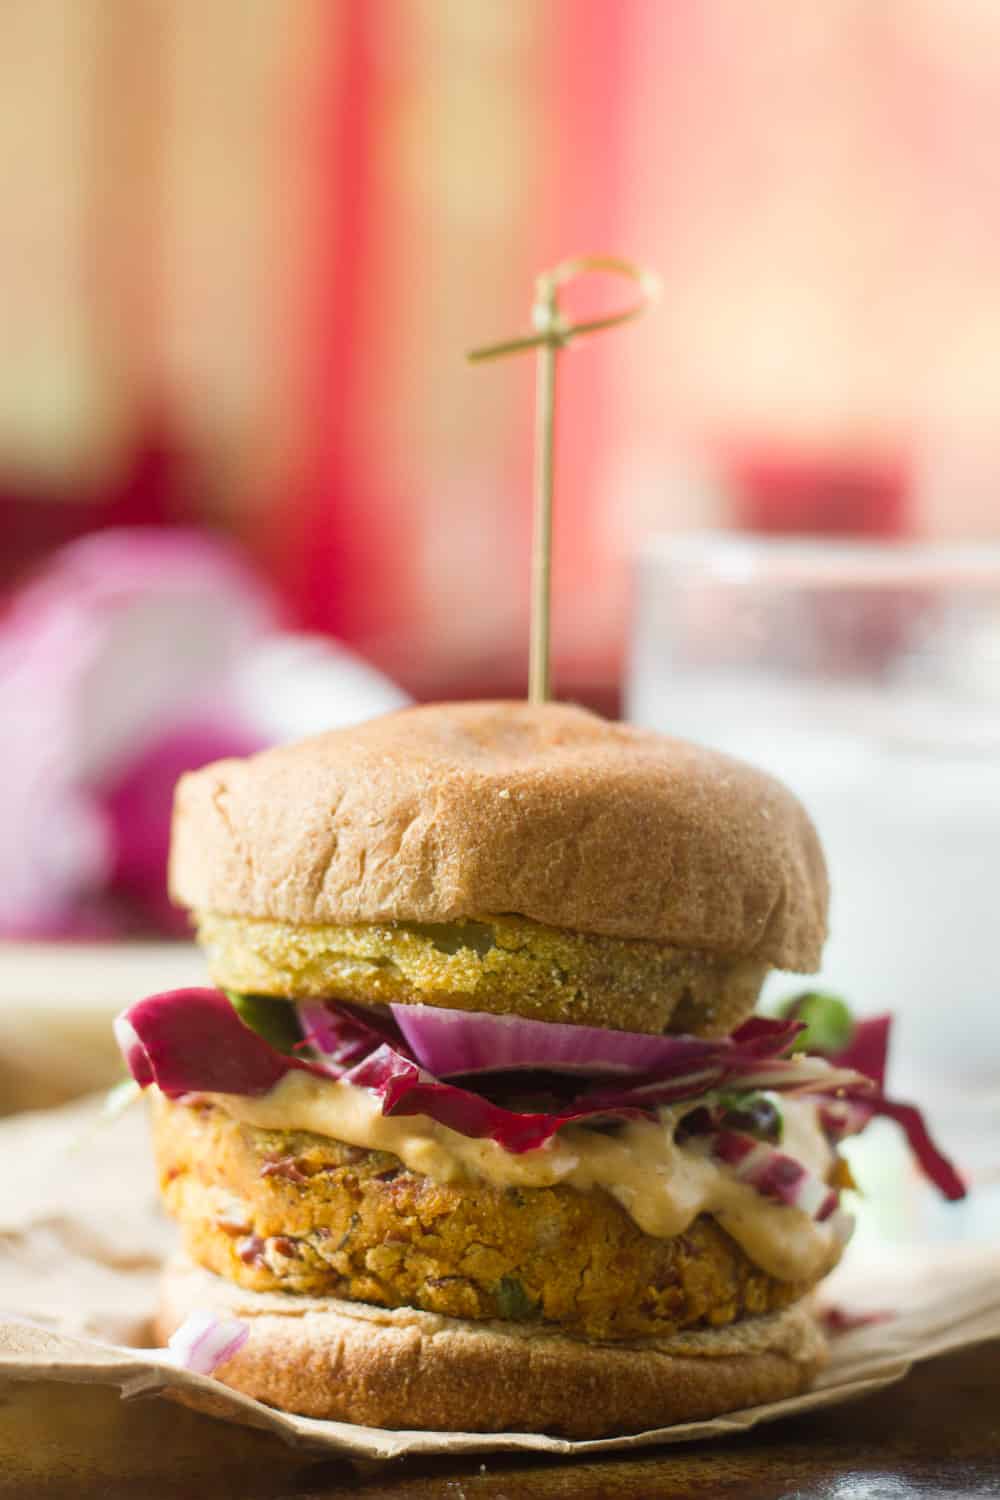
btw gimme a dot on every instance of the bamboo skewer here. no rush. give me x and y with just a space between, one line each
553 333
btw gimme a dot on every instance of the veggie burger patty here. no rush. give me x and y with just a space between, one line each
281 1211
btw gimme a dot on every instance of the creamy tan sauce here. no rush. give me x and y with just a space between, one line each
662 1186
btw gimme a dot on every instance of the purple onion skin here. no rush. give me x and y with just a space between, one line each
60 628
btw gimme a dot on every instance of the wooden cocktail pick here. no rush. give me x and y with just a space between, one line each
552 333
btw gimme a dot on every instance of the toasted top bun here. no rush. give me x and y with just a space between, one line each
547 811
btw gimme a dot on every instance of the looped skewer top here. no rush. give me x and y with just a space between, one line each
552 333
550 325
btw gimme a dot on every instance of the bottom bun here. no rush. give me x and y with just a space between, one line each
402 1368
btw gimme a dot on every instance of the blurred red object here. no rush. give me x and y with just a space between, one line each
152 488
137 807
784 491
134 655
116 662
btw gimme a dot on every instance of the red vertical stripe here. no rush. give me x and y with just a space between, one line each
336 555
583 214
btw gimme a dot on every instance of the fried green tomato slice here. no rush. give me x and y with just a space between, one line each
496 964
277 1211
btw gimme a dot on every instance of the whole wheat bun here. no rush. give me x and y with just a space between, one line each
546 811
401 1368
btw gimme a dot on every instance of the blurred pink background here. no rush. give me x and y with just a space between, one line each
246 245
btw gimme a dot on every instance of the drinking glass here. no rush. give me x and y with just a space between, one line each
867 677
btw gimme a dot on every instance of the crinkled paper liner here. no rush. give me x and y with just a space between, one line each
82 1240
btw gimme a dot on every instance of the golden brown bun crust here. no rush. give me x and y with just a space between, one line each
275 1211
399 1368
546 811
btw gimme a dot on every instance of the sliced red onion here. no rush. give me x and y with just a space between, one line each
450 1043
456 1043
205 1341
775 1174
688 1066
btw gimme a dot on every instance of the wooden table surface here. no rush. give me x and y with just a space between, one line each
935 1434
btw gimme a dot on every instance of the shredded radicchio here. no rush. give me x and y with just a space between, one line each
192 1041
852 1108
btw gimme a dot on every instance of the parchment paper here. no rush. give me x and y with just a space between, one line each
82 1239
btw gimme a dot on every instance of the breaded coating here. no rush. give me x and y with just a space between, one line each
281 1211
502 964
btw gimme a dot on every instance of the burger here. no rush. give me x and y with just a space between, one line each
479 1130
